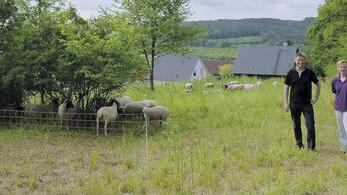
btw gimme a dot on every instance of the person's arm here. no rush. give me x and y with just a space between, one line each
285 98
316 97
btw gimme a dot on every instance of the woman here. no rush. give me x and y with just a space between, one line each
339 88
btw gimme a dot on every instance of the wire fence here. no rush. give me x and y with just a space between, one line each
71 121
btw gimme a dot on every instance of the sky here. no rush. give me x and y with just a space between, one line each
226 9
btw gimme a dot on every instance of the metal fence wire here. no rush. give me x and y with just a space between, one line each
71 121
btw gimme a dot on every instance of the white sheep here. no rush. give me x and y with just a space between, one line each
226 85
123 100
188 86
107 114
133 108
259 83
235 87
249 86
147 103
209 85
156 113
67 111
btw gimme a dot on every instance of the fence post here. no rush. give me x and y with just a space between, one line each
146 129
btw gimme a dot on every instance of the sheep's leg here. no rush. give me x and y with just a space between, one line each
97 126
105 127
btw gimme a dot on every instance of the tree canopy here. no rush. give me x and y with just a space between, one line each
328 33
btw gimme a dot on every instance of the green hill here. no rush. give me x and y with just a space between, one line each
252 31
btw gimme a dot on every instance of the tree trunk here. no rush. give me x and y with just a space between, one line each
151 79
152 72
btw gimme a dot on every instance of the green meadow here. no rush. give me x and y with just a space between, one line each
215 142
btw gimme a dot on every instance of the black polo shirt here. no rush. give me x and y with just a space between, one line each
300 88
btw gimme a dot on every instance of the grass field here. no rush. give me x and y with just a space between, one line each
220 53
215 142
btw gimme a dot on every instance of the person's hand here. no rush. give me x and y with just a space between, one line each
314 101
286 107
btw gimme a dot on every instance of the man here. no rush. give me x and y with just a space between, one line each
299 81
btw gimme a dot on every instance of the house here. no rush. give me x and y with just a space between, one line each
264 60
179 68
213 66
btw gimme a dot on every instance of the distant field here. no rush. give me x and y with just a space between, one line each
215 142
214 53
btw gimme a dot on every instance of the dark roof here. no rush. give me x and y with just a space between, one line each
264 60
213 65
175 67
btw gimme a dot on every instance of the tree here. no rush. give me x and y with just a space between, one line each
328 33
11 80
160 24
100 57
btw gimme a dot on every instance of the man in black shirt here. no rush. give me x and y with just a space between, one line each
299 80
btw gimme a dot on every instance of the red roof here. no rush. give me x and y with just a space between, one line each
213 65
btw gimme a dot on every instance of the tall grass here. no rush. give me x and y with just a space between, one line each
215 142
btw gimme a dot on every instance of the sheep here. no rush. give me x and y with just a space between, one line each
226 85
148 103
123 100
107 114
188 86
248 86
156 113
235 87
259 83
67 111
209 85
38 111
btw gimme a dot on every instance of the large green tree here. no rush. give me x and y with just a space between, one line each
11 78
328 33
160 24
100 58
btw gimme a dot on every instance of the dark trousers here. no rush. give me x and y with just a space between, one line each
295 110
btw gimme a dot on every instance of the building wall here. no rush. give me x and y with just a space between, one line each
200 71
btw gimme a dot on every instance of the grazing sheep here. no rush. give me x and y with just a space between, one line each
38 111
123 100
235 87
259 83
148 103
248 86
209 85
226 85
133 108
188 86
156 113
107 114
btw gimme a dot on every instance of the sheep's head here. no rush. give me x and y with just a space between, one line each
116 103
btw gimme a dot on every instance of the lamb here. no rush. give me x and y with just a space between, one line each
107 114
156 113
209 85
